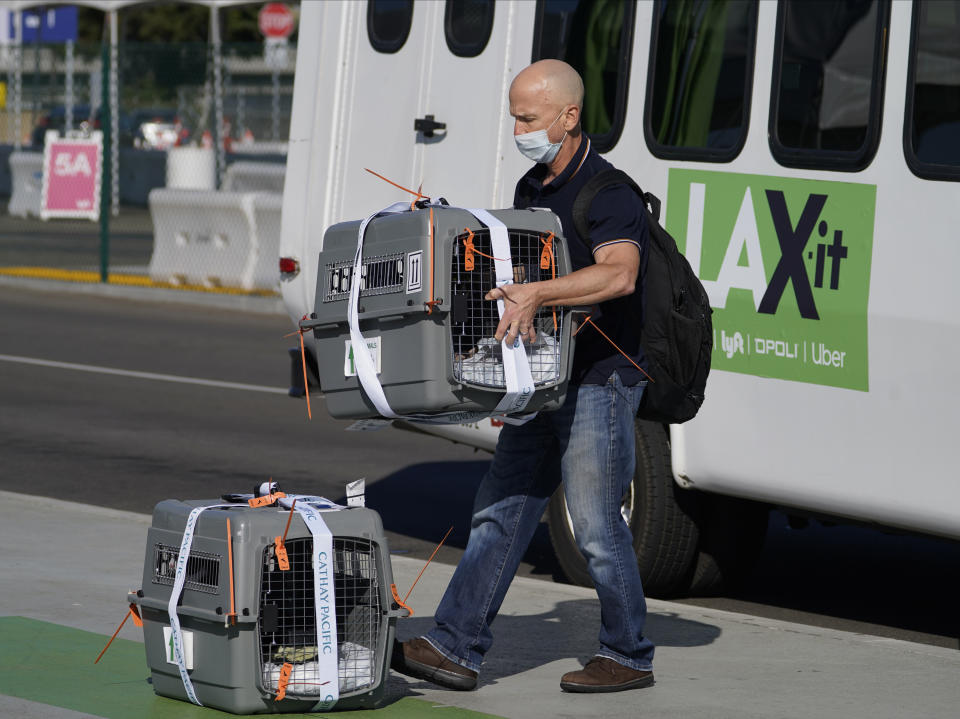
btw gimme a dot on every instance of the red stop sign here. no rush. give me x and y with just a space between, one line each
275 20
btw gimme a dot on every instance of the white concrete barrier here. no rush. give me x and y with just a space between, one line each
264 269
215 239
26 183
243 176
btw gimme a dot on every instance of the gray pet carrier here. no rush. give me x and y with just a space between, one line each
421 311
261 631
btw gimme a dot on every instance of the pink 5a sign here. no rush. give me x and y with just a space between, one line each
72 168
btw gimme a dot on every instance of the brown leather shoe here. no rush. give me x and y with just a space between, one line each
605 675
417 658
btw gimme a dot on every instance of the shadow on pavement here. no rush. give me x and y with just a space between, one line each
424 500
523 643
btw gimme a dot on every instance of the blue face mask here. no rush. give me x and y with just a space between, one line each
536 145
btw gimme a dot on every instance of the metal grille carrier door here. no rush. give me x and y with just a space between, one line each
421 280
274 648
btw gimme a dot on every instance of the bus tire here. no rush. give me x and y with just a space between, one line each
660 514
732 533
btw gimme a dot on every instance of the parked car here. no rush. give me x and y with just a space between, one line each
153 129
55 119
149 129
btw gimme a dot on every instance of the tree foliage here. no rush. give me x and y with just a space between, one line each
174 22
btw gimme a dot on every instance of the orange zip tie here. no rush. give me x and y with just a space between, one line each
303 362
490 257
413 202
405 189
135 613
583 324
471 248
231 618
280 543
282 560
427 564
430 304
468 259
287 528
136 620
306 382
398 600
546 254
588 321
283 680
266 500
547 260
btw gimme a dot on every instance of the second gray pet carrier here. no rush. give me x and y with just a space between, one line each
419 287
267 623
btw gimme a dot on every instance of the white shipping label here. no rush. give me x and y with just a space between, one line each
187 646
349 363
414 271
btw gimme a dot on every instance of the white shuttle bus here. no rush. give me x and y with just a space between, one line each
808 158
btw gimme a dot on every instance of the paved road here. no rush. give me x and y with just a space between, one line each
126 442
75 244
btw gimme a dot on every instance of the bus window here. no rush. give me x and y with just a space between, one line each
700 78
467 25
931 137
388 23
827 89
595 37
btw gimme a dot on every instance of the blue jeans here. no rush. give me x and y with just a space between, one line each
589 444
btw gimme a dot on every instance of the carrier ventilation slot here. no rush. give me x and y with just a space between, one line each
477 356
203 569
288 628
379 275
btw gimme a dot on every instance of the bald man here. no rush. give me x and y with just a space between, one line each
588 444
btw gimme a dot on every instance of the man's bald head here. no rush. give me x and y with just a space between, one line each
554 81
547 95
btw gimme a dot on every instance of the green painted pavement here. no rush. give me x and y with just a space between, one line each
53 664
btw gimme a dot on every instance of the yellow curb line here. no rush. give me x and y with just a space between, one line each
86 276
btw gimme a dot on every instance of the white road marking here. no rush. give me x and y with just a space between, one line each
142 375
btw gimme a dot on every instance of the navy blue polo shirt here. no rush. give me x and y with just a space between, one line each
616 215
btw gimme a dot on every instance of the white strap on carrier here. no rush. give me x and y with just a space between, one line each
176 636
324 604
516 368
309 508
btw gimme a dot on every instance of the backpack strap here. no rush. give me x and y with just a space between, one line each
600 181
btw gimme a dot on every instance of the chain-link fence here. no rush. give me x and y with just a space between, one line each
188 200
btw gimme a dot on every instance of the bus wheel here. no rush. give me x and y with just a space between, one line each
732 532
659 513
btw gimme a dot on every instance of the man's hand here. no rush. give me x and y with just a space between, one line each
613 275
520 304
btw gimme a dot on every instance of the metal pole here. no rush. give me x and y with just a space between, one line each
17 78
241 111
217 94
106 170
68 101
275 107
114 119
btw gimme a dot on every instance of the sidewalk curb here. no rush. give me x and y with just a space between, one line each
242 303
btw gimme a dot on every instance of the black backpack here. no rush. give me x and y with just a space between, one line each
677 333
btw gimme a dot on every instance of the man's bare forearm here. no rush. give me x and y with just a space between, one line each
593 284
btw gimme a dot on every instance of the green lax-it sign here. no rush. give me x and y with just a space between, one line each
786 263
